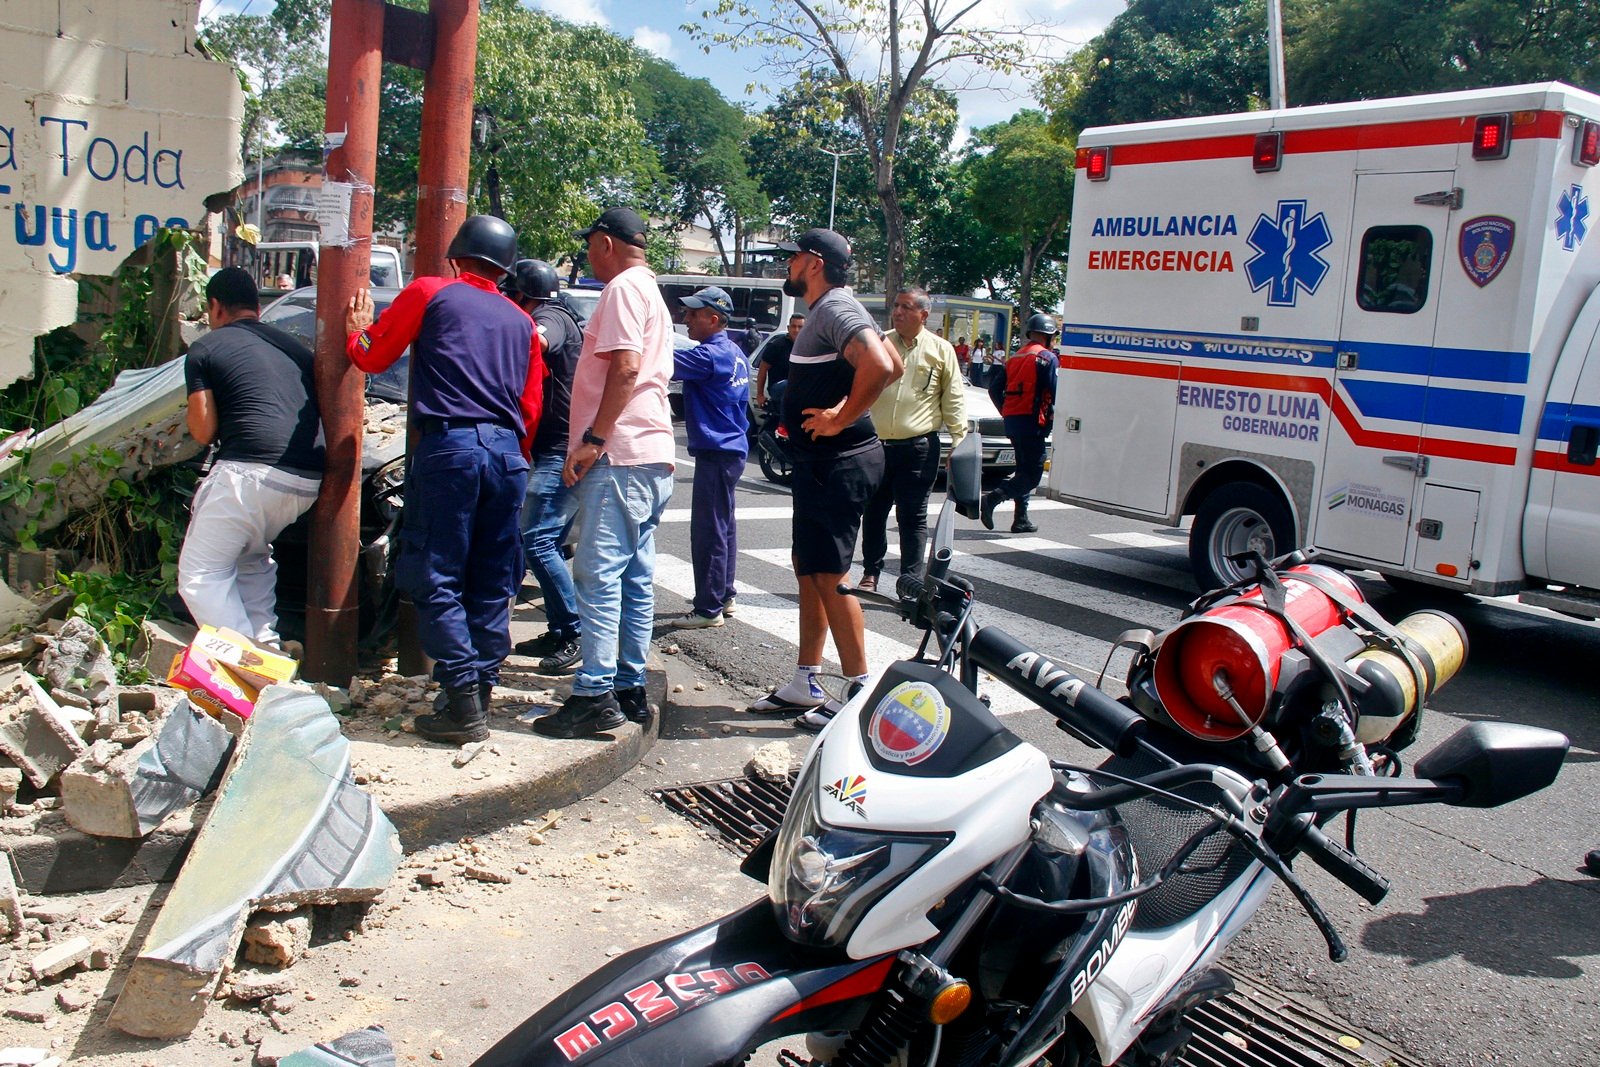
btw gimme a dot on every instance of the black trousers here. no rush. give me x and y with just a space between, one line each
909 470
1028 439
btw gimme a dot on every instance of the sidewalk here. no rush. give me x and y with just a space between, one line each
515 775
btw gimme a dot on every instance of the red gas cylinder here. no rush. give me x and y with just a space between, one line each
1242 643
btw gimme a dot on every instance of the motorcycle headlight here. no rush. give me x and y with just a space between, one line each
824 879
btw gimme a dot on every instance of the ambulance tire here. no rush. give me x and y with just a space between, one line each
1235 518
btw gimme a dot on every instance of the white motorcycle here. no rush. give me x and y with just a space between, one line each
941 892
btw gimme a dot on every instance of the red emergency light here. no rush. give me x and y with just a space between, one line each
1491 137
1098 167
1586 146
1268 154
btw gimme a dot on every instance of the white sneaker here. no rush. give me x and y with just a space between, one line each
693 620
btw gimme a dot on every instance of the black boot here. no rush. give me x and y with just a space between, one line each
462 721
986 505
1592 862
1020 523
581 716
635 704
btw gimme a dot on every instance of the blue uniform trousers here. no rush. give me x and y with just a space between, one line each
461 547
713 532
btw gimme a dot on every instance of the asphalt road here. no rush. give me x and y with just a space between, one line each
1486 951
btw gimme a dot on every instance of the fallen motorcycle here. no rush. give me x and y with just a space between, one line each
942 892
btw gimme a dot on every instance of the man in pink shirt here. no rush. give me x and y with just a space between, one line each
619 465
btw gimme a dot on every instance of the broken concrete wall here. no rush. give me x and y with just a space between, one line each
134 791
111 126
288 827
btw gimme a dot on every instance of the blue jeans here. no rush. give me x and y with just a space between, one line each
546 517
619 509
460 551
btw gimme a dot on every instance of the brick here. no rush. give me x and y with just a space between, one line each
277 940
160 642
136 791
58 959
244 859
35 734
32 1008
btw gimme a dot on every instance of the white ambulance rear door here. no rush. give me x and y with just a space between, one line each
1373 462
1566 471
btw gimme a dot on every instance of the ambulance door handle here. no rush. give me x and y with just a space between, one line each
1583 445
1348 360
1417 465
1450 198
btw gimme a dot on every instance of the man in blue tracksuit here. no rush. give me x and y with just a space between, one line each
716 402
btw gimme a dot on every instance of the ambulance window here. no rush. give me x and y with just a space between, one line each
1395 261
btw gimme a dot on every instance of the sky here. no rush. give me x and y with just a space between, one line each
655 25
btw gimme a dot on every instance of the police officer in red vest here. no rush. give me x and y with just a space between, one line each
477 381
1027 406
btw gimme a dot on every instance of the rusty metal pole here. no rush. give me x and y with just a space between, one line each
446 149
355 71
443 158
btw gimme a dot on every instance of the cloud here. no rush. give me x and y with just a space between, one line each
656 42
583 11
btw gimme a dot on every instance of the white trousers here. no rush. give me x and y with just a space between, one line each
226 573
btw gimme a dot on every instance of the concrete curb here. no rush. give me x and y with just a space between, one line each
66 861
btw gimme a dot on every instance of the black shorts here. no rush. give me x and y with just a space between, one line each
829 497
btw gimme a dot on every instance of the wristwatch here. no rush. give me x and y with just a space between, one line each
590 439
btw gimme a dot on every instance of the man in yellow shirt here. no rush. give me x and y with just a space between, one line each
908 415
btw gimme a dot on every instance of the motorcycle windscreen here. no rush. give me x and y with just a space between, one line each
707 997
922 722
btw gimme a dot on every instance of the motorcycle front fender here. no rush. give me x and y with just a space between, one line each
701 999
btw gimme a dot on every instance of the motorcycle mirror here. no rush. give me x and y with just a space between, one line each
965 480
941 546
1495 763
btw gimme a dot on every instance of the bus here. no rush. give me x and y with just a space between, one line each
955 317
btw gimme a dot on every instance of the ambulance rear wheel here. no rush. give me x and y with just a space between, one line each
1237 518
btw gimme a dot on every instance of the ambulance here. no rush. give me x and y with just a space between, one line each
1368 328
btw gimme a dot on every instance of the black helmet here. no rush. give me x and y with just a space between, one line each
487 238
1039 322
532 278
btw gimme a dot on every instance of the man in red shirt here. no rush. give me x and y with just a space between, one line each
1027 407
477 380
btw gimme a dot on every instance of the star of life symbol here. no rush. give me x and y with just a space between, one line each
1572 218
1286 260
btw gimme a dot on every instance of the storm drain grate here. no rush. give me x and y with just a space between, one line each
1255 1026
741 812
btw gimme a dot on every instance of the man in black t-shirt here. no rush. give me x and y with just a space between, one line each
774 368
837 368
251 390
546 518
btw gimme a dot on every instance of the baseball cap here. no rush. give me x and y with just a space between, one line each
826 245
622 223
711 297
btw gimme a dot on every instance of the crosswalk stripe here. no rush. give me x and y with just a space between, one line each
769 512
1066 646
1134 539
1175 577
777 617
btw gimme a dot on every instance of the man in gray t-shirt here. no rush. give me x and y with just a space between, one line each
837 369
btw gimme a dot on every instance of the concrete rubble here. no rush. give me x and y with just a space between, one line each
36 735
325 842
78 662
116 792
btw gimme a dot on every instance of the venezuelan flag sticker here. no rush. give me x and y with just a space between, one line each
909 723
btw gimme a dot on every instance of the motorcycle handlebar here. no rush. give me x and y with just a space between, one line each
1343 864
1083 711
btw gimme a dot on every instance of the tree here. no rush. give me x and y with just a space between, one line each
878 53
284 77
788 152
1022 188
699 137
1163 59
1363 49
555 98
